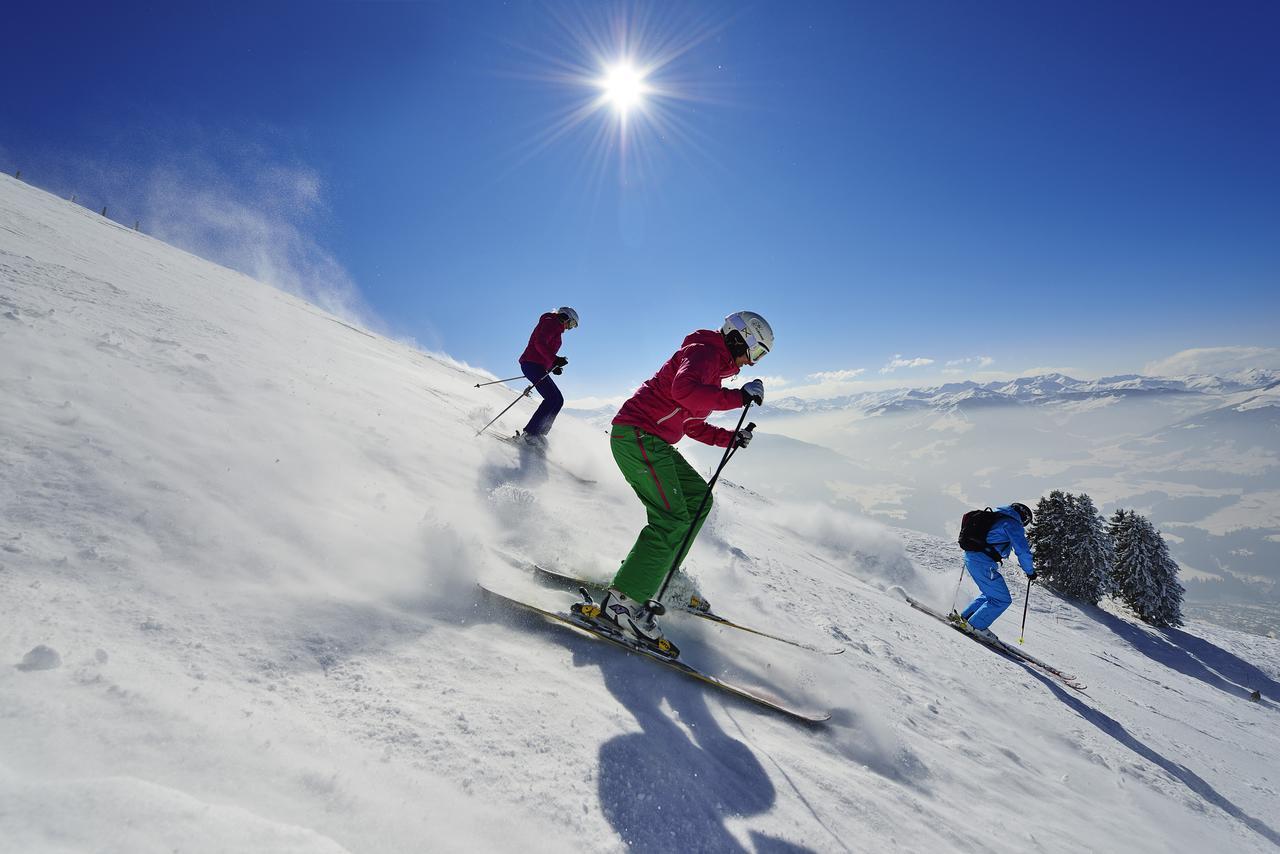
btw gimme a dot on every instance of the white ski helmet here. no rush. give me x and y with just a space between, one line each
569 315
756 333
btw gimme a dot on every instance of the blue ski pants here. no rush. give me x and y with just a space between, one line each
552 399
993 597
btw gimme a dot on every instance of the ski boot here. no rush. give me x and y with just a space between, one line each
682 592
534 441
958 621
984 634
620 615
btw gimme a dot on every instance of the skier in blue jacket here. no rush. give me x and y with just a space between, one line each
1008 534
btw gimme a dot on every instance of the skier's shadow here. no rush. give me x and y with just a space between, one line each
1181 773
1194 657
671 786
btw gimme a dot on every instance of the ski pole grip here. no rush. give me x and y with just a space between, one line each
751 425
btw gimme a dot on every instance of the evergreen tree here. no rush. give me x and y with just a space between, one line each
1094 555
1070 546
1120 527
1146 577
1048 539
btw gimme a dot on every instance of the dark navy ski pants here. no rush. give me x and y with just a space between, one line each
552 399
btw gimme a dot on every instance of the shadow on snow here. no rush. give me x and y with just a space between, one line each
1194 657
673 785
1181 773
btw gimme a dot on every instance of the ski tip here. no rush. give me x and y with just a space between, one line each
813 720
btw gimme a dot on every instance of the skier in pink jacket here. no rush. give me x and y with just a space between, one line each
675 403
540 359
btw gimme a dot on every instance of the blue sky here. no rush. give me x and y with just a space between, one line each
1001 186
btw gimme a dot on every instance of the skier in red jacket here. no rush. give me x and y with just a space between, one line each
540 359
671 405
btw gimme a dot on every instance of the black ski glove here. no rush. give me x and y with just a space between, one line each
742 438
1031 577
753 392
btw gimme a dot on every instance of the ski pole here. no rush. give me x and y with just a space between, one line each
688 538
959 581
524 393
495 382
1024 611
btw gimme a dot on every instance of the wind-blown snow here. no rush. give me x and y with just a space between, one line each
238 541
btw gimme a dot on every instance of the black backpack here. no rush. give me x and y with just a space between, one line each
974 527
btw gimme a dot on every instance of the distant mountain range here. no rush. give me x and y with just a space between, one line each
1199 455
1045 389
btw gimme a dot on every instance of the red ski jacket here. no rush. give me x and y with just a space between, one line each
544 341
684 391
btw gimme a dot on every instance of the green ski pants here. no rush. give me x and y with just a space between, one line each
671 491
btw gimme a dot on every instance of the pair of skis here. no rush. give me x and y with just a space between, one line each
555 577
1007 650
559 615
554 606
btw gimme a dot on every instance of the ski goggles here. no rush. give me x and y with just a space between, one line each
756 349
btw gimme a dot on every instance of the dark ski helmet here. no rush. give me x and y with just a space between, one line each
1024 511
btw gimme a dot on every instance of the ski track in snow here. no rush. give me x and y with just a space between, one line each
248 535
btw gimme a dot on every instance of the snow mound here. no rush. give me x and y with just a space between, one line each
40 657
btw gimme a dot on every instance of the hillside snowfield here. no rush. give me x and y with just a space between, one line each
238 545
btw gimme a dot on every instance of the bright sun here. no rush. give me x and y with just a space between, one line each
627 82
623 87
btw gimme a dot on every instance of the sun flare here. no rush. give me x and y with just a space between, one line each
623 87
631 95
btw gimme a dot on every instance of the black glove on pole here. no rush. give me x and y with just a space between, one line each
728 452
524 393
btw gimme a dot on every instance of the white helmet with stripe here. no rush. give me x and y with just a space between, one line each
754 331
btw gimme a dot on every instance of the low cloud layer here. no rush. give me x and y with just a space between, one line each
1215 361
836 376
899 362
963 366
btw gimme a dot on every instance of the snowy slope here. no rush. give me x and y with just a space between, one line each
250 533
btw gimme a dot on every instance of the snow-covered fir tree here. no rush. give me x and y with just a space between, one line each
1124 542
1048 538
1094 556
1144 576
1070 545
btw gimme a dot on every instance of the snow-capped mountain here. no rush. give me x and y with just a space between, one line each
238 545
1041 390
